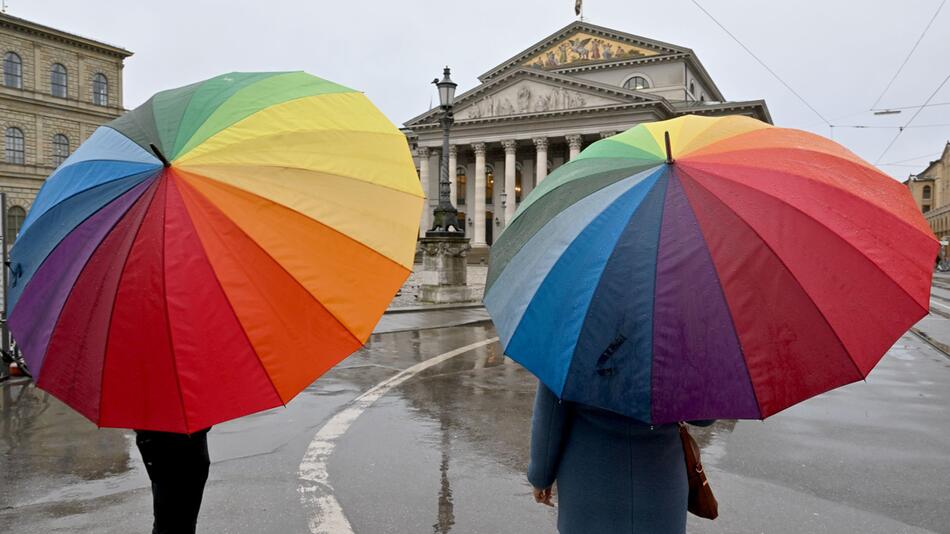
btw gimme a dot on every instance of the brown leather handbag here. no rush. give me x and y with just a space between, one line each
702 502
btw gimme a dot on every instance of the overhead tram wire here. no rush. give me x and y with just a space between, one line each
927 156
877 127
911 107
914 116
772 72
909 54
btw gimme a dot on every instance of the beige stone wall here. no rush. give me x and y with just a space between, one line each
24 48
10 117
48 55
90 67
40 116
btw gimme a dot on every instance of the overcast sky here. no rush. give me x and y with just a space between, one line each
838 54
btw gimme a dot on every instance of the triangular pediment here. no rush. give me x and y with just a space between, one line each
533 95
581 43
526 91
583 48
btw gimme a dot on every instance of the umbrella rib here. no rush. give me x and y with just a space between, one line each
790 273
234 312
93 253
239 120
44 214
249 115
610 204
328 227
168 327
607 262
656 259
124 177
291 276
897 218
825 226
102 375
722 292
517 220
195 168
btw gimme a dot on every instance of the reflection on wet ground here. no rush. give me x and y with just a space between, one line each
447 451
459 433
45 446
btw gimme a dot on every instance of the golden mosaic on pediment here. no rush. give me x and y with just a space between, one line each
582 48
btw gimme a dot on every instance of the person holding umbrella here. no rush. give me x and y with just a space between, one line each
613 473
208 255
177 465
758 268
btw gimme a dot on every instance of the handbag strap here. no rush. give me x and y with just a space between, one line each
691 452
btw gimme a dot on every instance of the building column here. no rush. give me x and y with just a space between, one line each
423 154
453 166
478 217
541 165
574 142
510 169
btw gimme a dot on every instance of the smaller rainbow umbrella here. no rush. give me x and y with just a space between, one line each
760 267
212 252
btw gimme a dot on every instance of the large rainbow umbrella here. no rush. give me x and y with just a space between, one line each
754 268
210 253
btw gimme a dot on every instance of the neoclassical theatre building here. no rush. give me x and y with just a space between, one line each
540 108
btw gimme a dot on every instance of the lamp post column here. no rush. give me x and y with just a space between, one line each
541 163
510 195
479 216
445 247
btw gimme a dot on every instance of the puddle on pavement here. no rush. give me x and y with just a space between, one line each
48 451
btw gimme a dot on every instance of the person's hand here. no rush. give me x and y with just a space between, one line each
543 496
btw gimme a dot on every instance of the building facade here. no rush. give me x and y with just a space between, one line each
931 191
540 108
56 89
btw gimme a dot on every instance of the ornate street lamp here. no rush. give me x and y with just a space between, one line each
445 217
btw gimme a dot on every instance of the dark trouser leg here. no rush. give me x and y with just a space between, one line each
177 465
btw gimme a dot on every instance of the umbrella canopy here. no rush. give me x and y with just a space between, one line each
761 267
210 253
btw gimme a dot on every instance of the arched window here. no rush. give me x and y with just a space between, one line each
12 70
692 88
100 89
60 149
518 182
702 98
926 191
489 184
14 146
636 83
58 80
461 181
15 216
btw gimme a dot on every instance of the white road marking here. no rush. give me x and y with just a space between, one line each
935 303
316 493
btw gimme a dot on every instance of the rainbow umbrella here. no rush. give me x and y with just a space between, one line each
729 270
210 253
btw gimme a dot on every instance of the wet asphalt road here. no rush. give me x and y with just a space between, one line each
446 451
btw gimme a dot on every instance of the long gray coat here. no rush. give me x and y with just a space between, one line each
615 475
